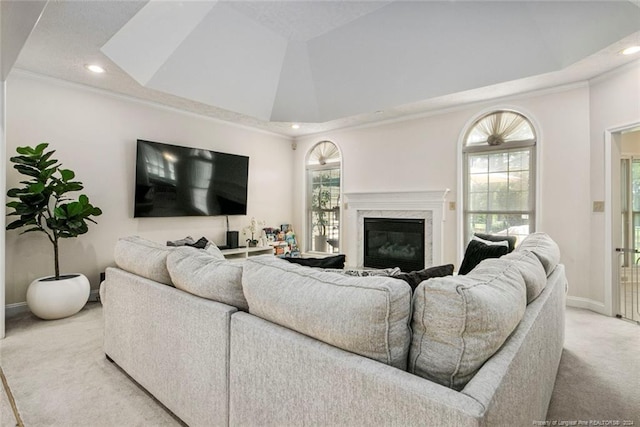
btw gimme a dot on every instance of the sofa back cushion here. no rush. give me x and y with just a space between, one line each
144 258
368 316
459 322
531 269
203 274
544 248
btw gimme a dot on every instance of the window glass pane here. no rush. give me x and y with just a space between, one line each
518 160
478 201
636 235
498 191
324 212
503 224
478 164
479 183
499 162
635 183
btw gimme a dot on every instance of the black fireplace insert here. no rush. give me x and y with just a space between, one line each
394 242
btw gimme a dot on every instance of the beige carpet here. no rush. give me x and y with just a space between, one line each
58 375
599 375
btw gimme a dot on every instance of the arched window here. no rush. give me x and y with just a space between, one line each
323 198
499 157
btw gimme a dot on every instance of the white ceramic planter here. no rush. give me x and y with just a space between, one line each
50 299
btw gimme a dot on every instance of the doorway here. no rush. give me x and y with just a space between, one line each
629 252
623 221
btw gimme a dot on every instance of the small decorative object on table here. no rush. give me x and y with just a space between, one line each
254 229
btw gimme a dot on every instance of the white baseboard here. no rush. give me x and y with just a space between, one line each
589 304
11 310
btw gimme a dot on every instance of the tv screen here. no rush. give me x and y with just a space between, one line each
184 181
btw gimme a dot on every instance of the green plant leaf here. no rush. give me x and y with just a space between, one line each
38 187
26 151
16 192
43 165
83 199
74 209
40 148
96 211
60 213
16 224
24 160
67 174
27 170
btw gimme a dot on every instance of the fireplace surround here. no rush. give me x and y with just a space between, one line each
423 205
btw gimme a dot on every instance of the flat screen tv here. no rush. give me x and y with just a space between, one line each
182 181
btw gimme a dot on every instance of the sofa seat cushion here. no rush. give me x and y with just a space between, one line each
144 258
459 322
368 316
200 273
544 248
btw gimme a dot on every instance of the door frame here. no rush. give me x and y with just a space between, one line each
611 154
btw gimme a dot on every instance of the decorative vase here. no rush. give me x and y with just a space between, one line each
320 243
50 299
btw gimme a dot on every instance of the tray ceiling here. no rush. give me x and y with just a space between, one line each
327 64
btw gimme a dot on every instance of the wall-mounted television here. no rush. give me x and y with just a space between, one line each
183 181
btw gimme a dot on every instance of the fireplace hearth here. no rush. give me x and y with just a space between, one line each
394 242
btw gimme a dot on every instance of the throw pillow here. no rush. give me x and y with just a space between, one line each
477 251
414 278
200 244
336 261
181 242
511 240
365 272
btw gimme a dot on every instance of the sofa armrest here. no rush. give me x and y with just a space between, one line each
174 344
281 377
522 374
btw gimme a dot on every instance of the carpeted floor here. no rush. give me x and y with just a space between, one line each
58 375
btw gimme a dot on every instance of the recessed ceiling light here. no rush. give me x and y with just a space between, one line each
295 126
95 68
631 50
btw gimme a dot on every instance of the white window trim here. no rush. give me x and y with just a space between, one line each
305 201
460 165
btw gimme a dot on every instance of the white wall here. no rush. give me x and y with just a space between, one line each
95 135
614 102
2 217
422 154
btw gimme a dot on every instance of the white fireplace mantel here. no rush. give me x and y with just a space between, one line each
429 205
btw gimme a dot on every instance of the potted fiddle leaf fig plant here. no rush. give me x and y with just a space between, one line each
44 205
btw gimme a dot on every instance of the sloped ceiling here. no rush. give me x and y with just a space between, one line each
328 64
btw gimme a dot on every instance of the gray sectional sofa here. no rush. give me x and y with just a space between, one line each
269 343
